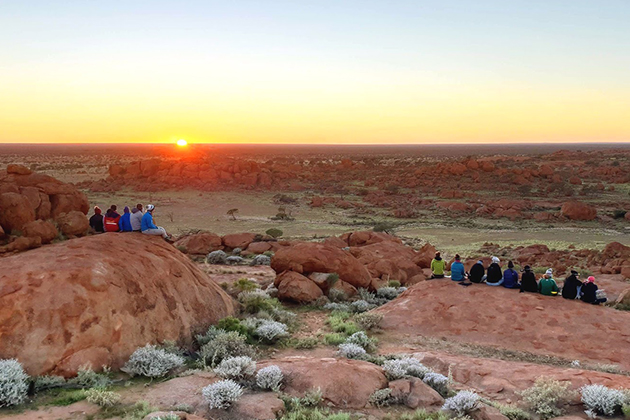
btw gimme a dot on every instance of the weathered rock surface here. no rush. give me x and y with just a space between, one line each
90 300
498 317
73 224
576 210
343 382
200 243
42 229
297 288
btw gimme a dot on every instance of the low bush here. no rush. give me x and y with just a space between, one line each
512 412
45 382
87 378
222 394
256 301
602 400
361 306
270 331
393 283
209 335
337 306
260 260
152 362
237 368
438 382
169 416
368 321
404 368
269 378
337 295
224 345
245 285
352 351
14 383
101 397
216 257
334 339
311 398
387 292
361 339
462 403
274 233
545 397
233 324
338 322
304 343
424 415
382 398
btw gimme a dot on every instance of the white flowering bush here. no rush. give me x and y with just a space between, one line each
601 399
152 362
224 345
336 306
260 260
222 394
234 260
361 339
437 381
382 398
13 383
270 378
216 257
361 306
351 351
462 403
387 292
545 397
101 397
87 378
404 368
238 367
271 331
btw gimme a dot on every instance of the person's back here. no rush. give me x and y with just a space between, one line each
528 281
477 272
96 221
495 275
571 286
136 220
547 286
147 222
510 279
589 292
458 273
125 221
437 266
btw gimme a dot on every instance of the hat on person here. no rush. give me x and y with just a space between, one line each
510 264
496 260
437 254
590 279
549 272
126 210
97 210
575 273
457 257
527 268
150 207
135 210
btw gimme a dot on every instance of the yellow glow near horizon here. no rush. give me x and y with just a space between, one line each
182 143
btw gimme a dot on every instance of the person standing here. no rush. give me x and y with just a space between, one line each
458 273
437 266
148 227
572 286
125 221
96 221
136 218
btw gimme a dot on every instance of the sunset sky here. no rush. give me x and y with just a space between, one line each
339 71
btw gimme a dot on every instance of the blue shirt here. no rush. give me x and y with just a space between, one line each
510 279
147 222
125 223
457 271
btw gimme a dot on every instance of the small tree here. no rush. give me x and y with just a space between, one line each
232 212
274 233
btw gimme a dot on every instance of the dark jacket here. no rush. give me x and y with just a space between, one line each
476 273
96 223
589 292
510 279
494 273
570 288
528 282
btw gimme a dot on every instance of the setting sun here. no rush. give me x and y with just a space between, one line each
182 143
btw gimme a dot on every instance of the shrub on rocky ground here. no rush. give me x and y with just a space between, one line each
152 362
352 351
438 382
260 260
404 368
368 321
462 403
382 398
102 397
14 383
269 378
387 292
237 368
257 300
545 396
334 339
361 306
512 412
602 400
169 416
337 295
311 398
224 345
422 415
361 339
233 324
234 260
216 257
87 378
222 394
45 382
336 306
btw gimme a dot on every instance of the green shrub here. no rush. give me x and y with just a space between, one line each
101 397
334 339
393 283
625 409
87 378
382 398
512 412
14 383
304 343
65 397
224 345
545 397
368 320
233 324
424 415
338 322
245 285
256 301
274 233
45 382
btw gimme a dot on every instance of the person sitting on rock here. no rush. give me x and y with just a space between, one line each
96 221
547 285
495 275
148 227
477 272
125 221
111 220
510 277
458 273
528 281
589 292
572 286
136 218
437 266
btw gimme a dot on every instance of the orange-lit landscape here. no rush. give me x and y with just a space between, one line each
315 211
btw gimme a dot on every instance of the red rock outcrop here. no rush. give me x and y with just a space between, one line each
296 287
42 229
576 210
91 300
200 243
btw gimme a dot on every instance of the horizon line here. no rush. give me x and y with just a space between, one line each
192 143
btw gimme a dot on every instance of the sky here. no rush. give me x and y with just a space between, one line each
340 71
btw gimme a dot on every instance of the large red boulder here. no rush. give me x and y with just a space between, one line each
576 210
238 240
46 231
297 288
362 238
18 169
94 300
388 260
199 243
309 257
73 224
15 211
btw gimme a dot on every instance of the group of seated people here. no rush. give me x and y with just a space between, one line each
134 220
573 287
